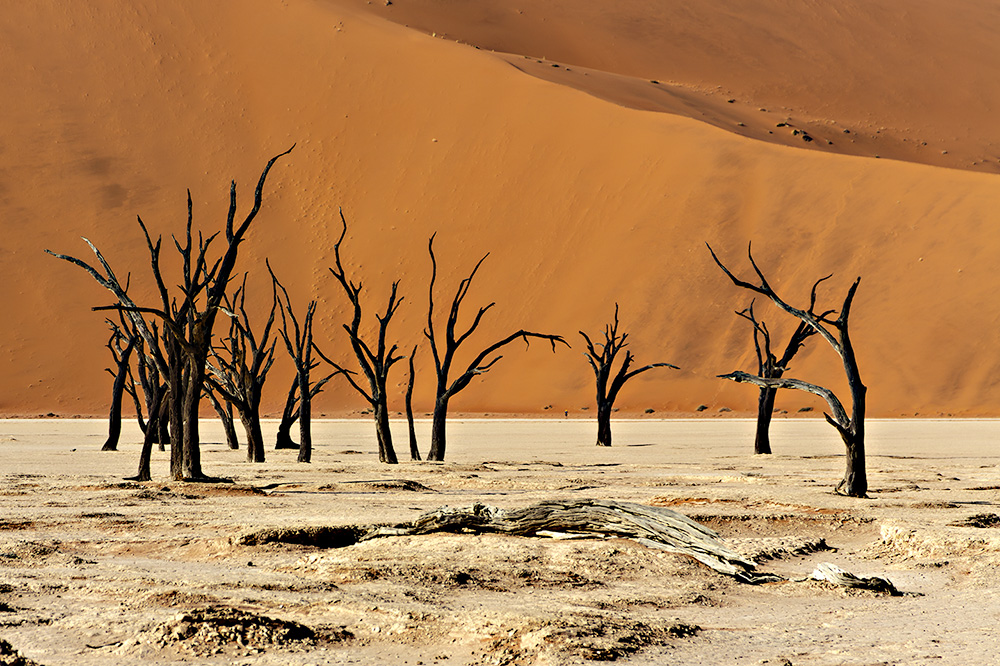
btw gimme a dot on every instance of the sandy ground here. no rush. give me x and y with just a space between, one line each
98 570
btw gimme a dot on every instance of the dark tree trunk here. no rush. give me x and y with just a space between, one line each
289 415
765 410
177 382
117 393
604 424
191 443
414 449
438 421
255 439
163 420
855 481
146 456
305 420
226 417
386 452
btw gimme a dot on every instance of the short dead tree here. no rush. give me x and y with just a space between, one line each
836 333
375 361
239 364
770 366
299 344
444 358
224 409
156 398
601 357
120 344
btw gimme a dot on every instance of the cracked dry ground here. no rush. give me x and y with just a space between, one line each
96 570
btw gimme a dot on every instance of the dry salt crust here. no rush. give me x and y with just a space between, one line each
97 570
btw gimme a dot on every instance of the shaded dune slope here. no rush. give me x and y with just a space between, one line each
580 202
916 81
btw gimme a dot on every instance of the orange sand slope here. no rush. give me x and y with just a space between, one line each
113 111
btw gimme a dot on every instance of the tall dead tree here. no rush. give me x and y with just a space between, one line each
299 344
445 357
601 357
770 366
239 365
188 318
375 364
836 333
122 373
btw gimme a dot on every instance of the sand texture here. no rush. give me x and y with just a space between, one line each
591 151
97 570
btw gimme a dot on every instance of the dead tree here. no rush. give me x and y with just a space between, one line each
836 333
414 449
150 385
770 366
601 357
188 318
444 358
239 365
299 344
157 401
375 364
289 415
651 526
122 373
225 413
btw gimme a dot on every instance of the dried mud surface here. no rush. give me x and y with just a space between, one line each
98 570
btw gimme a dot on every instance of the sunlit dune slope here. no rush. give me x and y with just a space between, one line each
112 111
915 80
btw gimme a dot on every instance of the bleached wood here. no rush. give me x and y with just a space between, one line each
655 527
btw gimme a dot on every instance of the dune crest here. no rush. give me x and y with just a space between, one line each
912 81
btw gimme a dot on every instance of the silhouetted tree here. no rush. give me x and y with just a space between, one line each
188 318
770 366
375 363
157 401
444 357
123 374
414 449
299 344
239 372
224 410
836 333
601 357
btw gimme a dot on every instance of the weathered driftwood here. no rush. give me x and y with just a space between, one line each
655 527
834 574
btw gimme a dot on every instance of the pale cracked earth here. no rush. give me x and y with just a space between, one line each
98 570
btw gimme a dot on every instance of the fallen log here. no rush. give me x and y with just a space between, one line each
841 578
654 527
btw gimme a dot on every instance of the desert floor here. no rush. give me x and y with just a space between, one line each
98 570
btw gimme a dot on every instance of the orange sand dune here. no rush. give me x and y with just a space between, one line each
113 110
916 81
